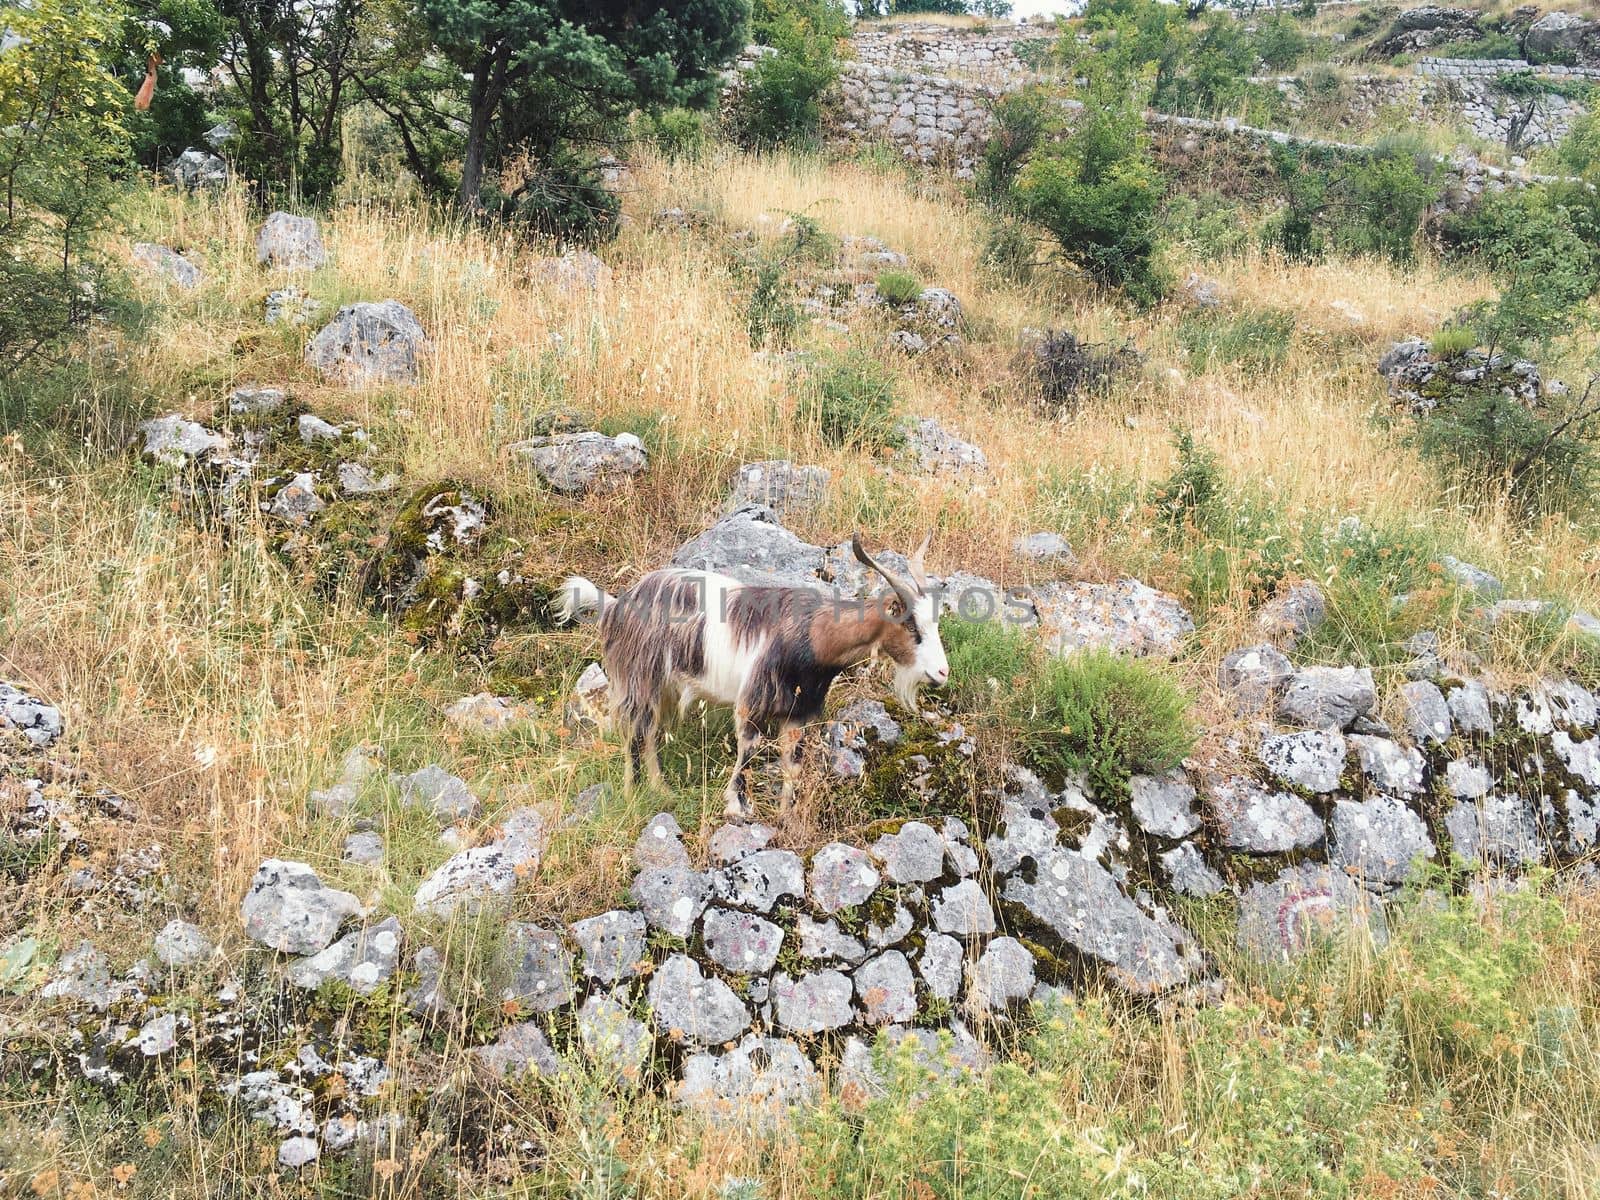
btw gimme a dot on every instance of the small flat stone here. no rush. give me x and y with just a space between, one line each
1312 759
1393 768
760 880
612 944
1189 873
1258 821
660 845
814 1003
1002 975
841 877
613 1039
672 898
541 968
730 843
964 910
886 989
1378 839
688 1005
741 942
520 1049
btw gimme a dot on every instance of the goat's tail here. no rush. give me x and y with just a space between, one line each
577 596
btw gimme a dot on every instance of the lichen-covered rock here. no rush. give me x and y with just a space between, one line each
1002 976
1026 826
753 546
444 795
359 764
578 463
612 944
841 877
814 1003
1188 872
166 263
963 909
369 344
1254 675
36 721
760 880
1303 905
1581 758
289 909
942 1054
886 989
824 941
1495 829
788 490
1393 768
1292 614
1469 709
1427 715
933 449
1467 778
361 960
1125 616
671 898
940 963
175 442
1077 900
541 968
1044 546
364 848
752 1086
1257 821
730 843
1327 697
660 845
1474 579
247 401
290 243
297 1152
180 944
1378 839
518 1050
297 501
467 881
83 975
858 725
1312 759
739 942
356 479
912 854
687 1005
1163 805
157 1036
613 1039
289 305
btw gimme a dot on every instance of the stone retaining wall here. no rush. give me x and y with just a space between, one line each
986 52
1489 68
933 118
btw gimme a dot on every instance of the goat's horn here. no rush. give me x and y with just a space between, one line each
919 572
901 588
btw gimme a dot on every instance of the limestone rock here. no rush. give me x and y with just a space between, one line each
612 944
660 845
361 960
297 501
365 848
519 1049
469 880
1254 675
688 1005
175 442
860 724
180 944
577 463
1257 821
824 941
1163 805
760 880
82 975
1469 709
1189 873
933 449
1472 578
1378 839
290 243
752 1086
1002 975
1125 616
1327 697
485 712
1312 759
1427 714
886 989
1496 829
36 721
963 909
613 1039
1289 616
733 842
939 962
788 490
197 170
368 344
1393 768
541 968
289 909
841 877
1304 904
573 272
444 795
166 263
753 546
814 1003
912 854
299 1151
1044 547
741 943
671 898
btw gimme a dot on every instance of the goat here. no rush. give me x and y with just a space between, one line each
769 651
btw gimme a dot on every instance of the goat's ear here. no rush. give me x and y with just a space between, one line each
894 608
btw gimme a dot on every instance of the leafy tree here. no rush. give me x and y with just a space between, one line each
543 76
63 139
169 35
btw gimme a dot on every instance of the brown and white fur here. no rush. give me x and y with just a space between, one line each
770 652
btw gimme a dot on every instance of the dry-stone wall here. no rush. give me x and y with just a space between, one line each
935 119
990 53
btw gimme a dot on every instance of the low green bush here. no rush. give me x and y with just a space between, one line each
851 399
1256 339
1452 341
1104 714
987 659
899 287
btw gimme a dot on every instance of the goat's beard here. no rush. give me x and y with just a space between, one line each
906 680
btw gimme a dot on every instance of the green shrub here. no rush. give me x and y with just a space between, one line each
1386 194
1104 714
1452 341
1256 339
852 400
771 315
779 101
1011 250
1023 121
679 133
1209 226
1279 43
564 199
1186 495
899 287
987 659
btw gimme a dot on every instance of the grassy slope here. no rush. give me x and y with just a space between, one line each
200 679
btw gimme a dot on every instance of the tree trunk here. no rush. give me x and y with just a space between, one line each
488 84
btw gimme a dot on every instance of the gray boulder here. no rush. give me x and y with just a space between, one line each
82 975
1393 768
739 942
687 1005
290 243
577 463
1467 778
1254 675
1469 709
1289 616
933 449
197 170
857 726
1473 579
289 909
573 272
760 880
963 909
364 848
1312 759
298 1151
297 501
444 795
361 960
180 944
671 898
166 263
1125 616
886 989
1327 697
912 854
732 842
612 944
1188 872
1001 977
518 1050
1163 805
824 941
752 1086
1378 839
1427 714
248 401
1250 818
940 963
369 344
841 877
1304 905
1563 38
788 490
468 881
814 1003
289 306
172 441
753 546
542 977
1079 902
1495 830
613 1039
38 722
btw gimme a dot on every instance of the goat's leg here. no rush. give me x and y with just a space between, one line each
652 756
789 738
738 806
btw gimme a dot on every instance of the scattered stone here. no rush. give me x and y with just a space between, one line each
180 944
38 722
1473 579
486 713
752 546
886 989
1312 759
859 724
912 854
289 909
1002 975
786 489
1499 830
1288 617
814 1003
297 501
1078 900
360 763
358 480
1254 675
249 401
82 975
197 170
1327 697
752 1086
291 306
687 1005
290 243
932 448
612 944
730 843
1257 821
1125 616
1469 709
361 960
672 898
741 943
518 1050
1044 547
963 909
468 880
272 1101
841 877
1378 839
1163 804
444 795
660 845
760 880
174 442
1304 905
574 464
297 1152
364 848
611 1037
167 263
1188 872
369 343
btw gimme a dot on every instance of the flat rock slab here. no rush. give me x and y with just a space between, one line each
575 464
541 968
740 942
1304 905
813 1003
1378 839
1327 697
963 909
290 243
912 854
841 877
671 898
433 788
753 1085
886 989
1163 805
1312 759
1258 821
760 880
362 960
